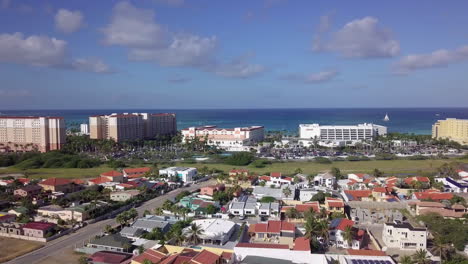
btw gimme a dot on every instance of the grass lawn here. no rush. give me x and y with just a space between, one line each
12 248
71 173
387 166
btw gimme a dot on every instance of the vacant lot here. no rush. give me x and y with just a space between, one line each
12 248
70 173
387 166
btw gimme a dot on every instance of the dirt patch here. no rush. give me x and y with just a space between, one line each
65 256
12 248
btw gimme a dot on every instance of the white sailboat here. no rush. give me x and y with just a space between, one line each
386 118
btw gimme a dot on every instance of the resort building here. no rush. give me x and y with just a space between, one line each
30 133
344 133
123 127
183 173
404 236
451 128
230 139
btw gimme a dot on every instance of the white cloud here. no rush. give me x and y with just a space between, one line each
137 29
91 65
68 21
239 68
45 52
362 38
134 27
33 50
438 58
318 77
185 50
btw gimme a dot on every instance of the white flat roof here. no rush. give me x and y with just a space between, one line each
214 227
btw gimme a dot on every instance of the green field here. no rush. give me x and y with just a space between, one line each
387 166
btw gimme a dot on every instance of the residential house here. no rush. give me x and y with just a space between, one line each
276 179
412 181
334 205
28 191
113 176
338 228
185 174
455 186
57 212
235 173
11 228
325 179
133 173
273 231
268 209
109 257
453 212
306 194
462 173
186 255
383 194
433 195
215 231
212 189
18 211
302 209
99 181
113 242
58 185
38 229
150 222
122 196
132 232
197 205
404 236
358 177
7 218
259 192
357 195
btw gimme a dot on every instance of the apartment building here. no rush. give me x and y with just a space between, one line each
341 133
29 133
451 128
134 126
404 236
231 139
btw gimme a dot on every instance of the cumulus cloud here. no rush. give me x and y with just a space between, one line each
45 52
362 38
68 21
33 50
134 27
91 65
146 40
438 58
184 50
318 77
239 68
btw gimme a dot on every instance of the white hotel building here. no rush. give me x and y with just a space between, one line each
230 139
340 134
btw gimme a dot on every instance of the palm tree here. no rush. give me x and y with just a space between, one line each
194 234
158 211
322 231
406 260
178 237
441 248
348 235
310 226
420 257
287 192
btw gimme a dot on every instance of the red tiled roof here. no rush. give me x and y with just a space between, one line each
275 174
23 180
359 193
363 252
334 202
409 180
302 244
38 225
151 255
272 227
442 211
110 257
226 255
351 181
78 181
259 245
265 178
112 173
344 223
380 190
206 257
436 196
100 180
134 176
430 204
55 182
137 170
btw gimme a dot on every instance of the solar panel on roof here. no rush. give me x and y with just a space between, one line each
360 261
382 262
372 262
353 261
388 262
365 261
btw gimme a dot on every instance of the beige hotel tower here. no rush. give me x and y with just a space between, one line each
28 133
453 129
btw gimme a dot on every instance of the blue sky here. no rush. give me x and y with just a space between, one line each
232 54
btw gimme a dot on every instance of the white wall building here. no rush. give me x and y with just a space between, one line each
84 129
342 132
184 173
452 185
324 179
215 231
404 236
230 139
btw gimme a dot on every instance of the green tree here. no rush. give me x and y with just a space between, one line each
211 209
377 173
267 199
83 260
287 192
336 172
292 213
194 234
298 171
421 257
406 260
348 235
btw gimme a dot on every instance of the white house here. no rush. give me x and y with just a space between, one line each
306 194
452 185
338 227
276 179
324 179
358 177
185 174
215 231
404 236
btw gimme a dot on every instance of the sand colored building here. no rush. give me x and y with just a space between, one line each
28 133
451 128
122 127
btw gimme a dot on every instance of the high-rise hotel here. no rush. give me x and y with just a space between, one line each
453 129
134 126
28 133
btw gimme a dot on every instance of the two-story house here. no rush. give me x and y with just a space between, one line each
344 235
404 236
279 232
28 191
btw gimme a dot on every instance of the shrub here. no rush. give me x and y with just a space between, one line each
240 159
322 160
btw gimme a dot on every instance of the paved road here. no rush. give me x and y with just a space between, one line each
57 246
